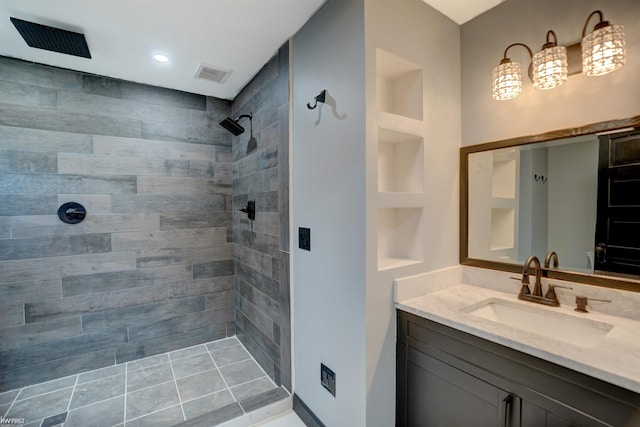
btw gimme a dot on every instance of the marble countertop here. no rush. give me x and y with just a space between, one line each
615 359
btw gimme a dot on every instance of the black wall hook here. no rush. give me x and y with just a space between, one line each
320 98
540 178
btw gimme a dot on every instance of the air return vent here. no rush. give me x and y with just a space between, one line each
53 39
213 73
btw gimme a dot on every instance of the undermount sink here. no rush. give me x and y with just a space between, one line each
541 321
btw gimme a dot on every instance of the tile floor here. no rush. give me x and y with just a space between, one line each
204 385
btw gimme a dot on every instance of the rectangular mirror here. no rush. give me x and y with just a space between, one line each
575 192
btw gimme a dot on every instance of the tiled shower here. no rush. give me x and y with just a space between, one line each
164 260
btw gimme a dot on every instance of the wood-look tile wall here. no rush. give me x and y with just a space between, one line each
261 173
151 268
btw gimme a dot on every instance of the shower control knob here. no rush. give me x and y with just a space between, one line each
72 213
250 210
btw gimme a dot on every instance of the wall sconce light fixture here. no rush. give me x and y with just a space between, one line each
550 65
507 77
603 51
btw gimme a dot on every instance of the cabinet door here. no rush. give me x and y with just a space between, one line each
439 395
554 415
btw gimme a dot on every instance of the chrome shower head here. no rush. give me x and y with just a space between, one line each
233 126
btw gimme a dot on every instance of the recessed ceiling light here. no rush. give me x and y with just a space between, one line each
161 58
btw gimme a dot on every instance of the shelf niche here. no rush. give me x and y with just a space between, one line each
400 162
400 237
504 177
502 228
398 86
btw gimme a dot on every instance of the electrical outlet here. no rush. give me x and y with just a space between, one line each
328 379
304 238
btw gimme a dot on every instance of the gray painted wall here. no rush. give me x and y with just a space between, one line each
344 315
261 247
573 201
329 197
151 268
533 204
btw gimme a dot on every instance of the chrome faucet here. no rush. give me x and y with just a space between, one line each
550 298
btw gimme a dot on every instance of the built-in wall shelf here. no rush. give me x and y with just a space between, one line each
504 195
400 152
502 228
504 176
400 237
400 161
389 263
397 123
400 200
501 202
493 204
398 86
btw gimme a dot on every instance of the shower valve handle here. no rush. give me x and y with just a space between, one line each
250 210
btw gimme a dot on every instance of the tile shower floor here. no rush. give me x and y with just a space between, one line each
202 385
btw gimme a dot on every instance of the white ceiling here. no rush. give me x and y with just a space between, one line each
123 35
461 11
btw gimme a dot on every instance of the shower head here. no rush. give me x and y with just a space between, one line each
233 126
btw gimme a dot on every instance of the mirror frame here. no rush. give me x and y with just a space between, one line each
617 282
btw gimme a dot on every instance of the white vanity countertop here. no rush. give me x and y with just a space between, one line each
615 359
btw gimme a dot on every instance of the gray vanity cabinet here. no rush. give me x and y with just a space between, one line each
461 399
446 378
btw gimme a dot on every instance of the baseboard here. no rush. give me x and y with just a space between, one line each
274 406
305 413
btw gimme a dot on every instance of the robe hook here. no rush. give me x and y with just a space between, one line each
319 98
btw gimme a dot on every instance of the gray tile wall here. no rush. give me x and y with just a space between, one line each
261 247
151 269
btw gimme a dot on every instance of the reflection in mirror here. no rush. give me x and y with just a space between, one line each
532 199
574 191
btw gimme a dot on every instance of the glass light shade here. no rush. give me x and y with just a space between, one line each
550 67
603 50
507 81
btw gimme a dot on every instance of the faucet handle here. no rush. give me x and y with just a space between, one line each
524 290
581 303
551 291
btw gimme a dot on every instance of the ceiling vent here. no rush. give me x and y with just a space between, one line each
213 73
51 38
